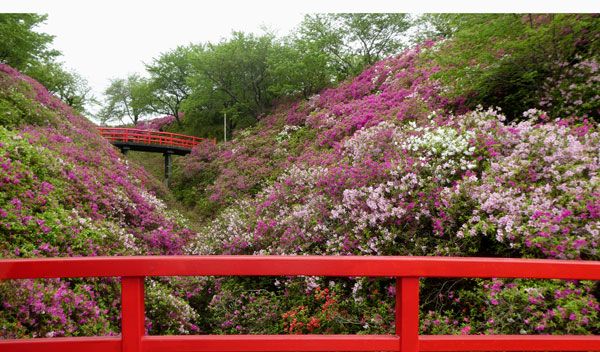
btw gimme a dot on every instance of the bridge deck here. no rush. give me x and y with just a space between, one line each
152 148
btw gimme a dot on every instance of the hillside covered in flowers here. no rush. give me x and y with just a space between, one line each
389 163
65 191
395 161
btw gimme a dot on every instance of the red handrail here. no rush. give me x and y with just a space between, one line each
407 271
134 135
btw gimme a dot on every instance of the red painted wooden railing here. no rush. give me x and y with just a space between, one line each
407 270
133 135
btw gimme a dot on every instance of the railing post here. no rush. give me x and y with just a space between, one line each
407 313
132 313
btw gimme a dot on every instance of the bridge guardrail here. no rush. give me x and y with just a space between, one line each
407 270
134 135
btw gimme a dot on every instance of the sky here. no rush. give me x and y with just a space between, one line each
102 40
107 42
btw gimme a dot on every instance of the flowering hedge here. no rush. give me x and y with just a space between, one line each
385 165
67 192
157 124
382 165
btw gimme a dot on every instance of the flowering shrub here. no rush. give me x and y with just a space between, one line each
51 308
539 194
318 317
397 87
167 313
67 192
158 124
236 310
548 307
514 307
575 91
386 168
408 183
226 173
382 165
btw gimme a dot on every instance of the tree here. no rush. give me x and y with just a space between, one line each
126 98
238 67
67 85
21 46
244 74
356 40
168 85
299 68
236 73
434 26
29 52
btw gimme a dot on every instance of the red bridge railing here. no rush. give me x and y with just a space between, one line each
133 135
407 270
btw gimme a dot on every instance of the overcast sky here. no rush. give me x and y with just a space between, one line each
106 42
112 38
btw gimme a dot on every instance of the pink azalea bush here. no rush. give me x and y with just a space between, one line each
308 129
157 124
67 192
575 91
384 165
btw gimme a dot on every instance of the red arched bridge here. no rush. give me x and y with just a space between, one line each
406 270
150 141
127 139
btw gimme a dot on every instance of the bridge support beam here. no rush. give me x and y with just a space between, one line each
124 149
168 166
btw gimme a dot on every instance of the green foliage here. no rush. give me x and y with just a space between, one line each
505 59
164 307
16 106
299 68
49 217
434 26
168 87
27 50
246 306
508 307
299 138
20 44
67 85
245 75
126 98
195 196
355 40
233 77
191 190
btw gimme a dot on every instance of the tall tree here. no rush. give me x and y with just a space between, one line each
67 85
168 81
238 67
236 72
28 50
126 98
20 45
299 68
356 40
435 26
